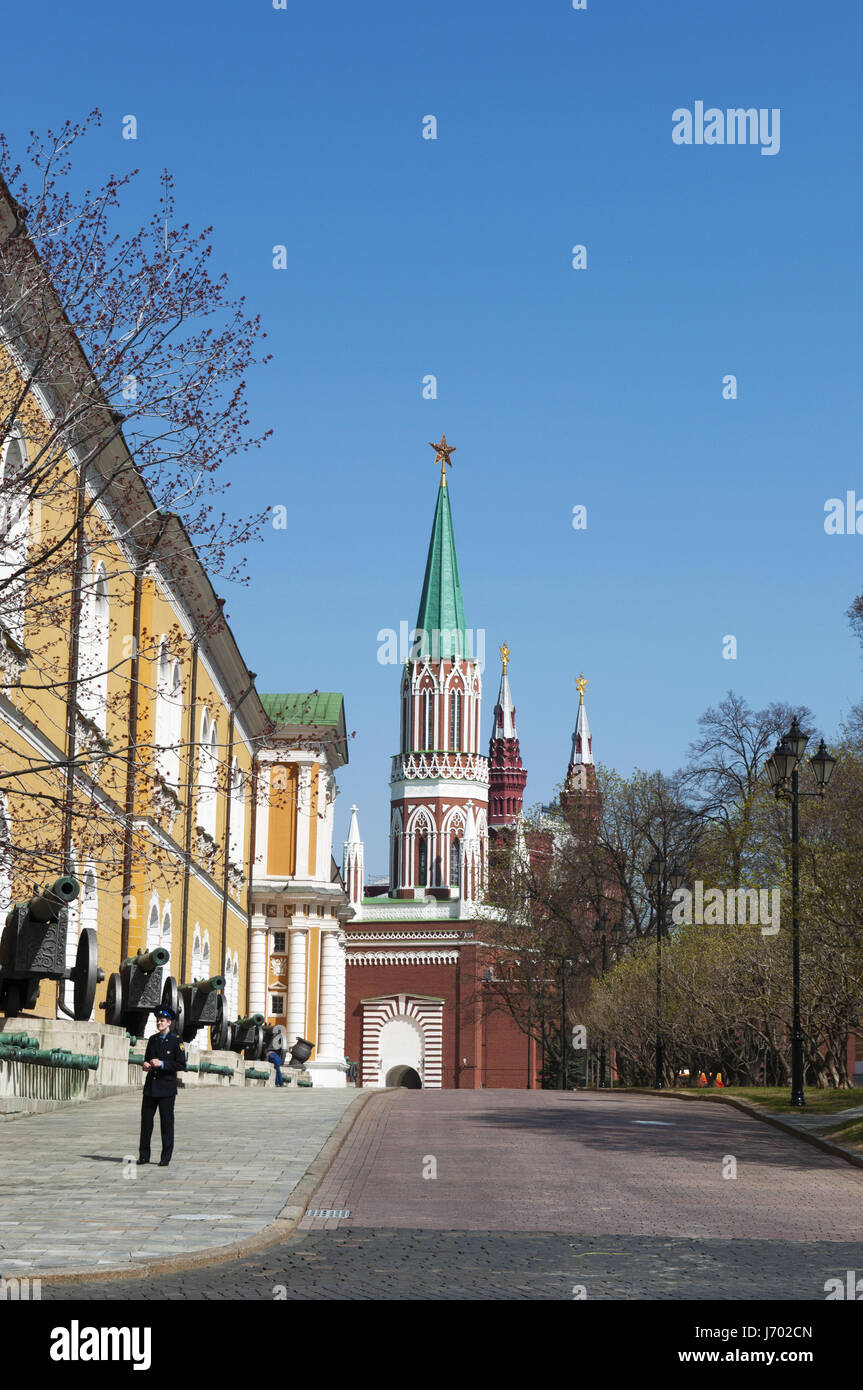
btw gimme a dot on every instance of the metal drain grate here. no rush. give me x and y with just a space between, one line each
327 1214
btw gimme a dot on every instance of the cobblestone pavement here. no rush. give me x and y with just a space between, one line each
69 1201
408 1264
538 1194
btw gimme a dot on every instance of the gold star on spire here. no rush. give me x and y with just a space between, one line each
581 685
504 655
442 456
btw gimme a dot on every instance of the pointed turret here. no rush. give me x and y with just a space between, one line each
506 776
353 862
581 787
441 626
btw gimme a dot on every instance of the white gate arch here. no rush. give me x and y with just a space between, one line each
399 1031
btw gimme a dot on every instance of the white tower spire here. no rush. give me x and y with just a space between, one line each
582 743
504 710
353 862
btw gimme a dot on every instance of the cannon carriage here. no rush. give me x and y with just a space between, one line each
137 990
33 948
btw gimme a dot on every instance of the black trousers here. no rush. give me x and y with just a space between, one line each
165 1107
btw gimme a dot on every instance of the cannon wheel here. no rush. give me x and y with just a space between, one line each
114 1001
85 975
219 1029
171 997
189 1031
180 1026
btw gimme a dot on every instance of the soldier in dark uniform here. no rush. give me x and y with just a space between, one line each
163 1059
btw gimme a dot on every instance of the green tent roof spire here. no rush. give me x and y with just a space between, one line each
441 622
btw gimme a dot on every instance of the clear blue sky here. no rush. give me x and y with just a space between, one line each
600 387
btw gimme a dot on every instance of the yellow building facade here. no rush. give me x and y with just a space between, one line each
130 729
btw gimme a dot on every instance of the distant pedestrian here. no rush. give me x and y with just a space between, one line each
162 1060
277 1063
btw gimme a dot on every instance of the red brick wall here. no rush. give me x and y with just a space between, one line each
497 1053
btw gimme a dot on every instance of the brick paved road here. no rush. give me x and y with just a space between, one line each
537 1194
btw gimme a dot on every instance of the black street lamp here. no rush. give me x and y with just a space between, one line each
658 881
782 767
601 930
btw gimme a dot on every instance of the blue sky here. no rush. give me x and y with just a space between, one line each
600 387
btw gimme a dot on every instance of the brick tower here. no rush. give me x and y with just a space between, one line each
506 776
439 781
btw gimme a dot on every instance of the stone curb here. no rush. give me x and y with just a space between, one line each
826 1145
273 1233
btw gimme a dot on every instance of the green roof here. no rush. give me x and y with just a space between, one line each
319 707
441 605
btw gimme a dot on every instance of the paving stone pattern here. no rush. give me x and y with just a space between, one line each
538 1195
68 1200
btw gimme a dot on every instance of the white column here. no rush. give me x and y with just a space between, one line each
328 1068
258 966
304 806
297 984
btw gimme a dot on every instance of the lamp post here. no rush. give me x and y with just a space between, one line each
782 769
601 929
657 880
563 1056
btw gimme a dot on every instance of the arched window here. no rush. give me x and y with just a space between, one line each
169 717
207 776
153 926
205 956
93 659
236 978
422 876
238 815
14 534
455 712
428 718
454 863
197 958
166 933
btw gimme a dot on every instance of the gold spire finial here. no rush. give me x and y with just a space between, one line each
442 455
581 684
504 656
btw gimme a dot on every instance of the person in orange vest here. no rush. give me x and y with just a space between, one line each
702 1079
719 1081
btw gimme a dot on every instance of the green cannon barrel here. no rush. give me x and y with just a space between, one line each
253 1021
45 906
206 986
148 961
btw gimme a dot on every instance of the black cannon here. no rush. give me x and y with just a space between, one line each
137 991
247 1036
203 1005
33 948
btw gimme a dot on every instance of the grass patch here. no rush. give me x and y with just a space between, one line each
776 1098
850 1134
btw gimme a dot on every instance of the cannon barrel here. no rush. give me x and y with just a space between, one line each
205 986
148 961
253 1021
45 906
